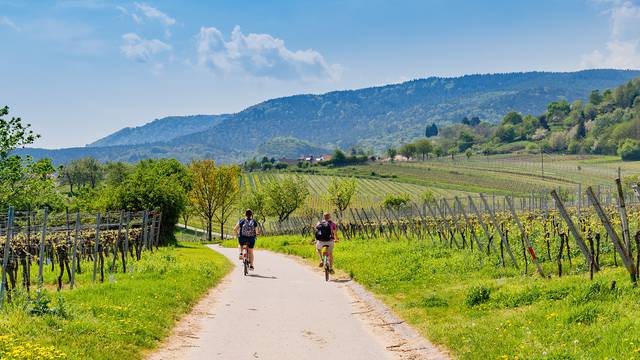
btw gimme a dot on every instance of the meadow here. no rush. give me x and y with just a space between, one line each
481 310
122 318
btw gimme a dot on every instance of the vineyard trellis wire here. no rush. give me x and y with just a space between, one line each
70 241
525 230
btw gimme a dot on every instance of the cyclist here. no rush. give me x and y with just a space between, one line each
326 234
247 230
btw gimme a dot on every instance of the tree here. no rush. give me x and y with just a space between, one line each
341 192
465 121
465 140
506 133
432 130
13 134
391 153
408 150
396 202
595 97
285 196
226 188
339 157
428 197
423 147
468 153
187 213
157 185
581 130
512 118
629 150
116 172
256 201
203 191
475 121
438 150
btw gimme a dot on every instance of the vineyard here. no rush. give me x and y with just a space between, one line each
369 192
519 232
507 175
49 249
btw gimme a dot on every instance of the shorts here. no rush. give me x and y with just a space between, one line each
249 241
320 244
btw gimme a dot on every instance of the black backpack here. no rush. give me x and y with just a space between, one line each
323 231
247 228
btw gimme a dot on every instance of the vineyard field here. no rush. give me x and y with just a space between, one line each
370 192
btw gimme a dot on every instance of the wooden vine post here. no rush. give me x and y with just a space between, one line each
497 226
75 250
5 255
41 255
534 258
622 209
484 226
626 257
96 246
468 222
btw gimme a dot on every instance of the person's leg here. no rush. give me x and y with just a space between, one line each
330 254
319 251
251 245
240 248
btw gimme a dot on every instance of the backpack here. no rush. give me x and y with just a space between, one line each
248 228
323 231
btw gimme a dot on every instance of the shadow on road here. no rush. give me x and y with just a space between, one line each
340 280
262 276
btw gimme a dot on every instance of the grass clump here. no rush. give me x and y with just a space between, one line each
119 319
477 295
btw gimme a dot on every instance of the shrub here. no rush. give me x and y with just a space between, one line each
629 150
477 295
396 201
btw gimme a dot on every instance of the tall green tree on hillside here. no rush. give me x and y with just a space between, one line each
408 150
432 130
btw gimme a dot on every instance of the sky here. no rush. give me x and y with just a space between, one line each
78 70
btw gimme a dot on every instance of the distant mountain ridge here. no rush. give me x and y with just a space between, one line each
375 117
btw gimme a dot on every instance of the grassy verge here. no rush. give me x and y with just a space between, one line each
119 319
486 312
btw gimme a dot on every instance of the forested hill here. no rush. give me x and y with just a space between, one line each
373 118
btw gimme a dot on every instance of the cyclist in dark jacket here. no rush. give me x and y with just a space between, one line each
247 230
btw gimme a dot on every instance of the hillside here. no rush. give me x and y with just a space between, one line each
373 118
160 130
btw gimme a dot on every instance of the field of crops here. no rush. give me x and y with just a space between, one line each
369 191
509 175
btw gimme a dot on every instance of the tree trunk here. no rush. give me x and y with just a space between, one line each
221 230
209 229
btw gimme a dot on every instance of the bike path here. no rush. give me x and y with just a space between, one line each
282 310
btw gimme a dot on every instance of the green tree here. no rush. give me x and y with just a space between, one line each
391 153
285 196
432 130
255 200
341 192
629 150
595 97
468 154
13 134
465 140
423 147
339 157
203 191
157 184
408 150
512 118
226 187
396 202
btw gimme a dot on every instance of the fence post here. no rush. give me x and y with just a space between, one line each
466 219
497 226
159 229
75 250
574 230
483 225
42 240
95 248
5 257
125 253
622 209
525 237
455 222
626 257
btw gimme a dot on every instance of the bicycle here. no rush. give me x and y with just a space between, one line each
245 259
325 262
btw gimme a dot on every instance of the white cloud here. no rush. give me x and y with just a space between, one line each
5 21
622 49
259 55
141 49
153 13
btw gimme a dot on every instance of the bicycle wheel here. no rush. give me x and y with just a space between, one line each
326 268
246 267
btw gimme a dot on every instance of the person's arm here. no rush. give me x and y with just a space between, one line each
257 228
334 229
236 228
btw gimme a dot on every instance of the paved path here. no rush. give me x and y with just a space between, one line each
284 310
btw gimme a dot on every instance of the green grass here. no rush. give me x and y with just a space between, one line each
119 319
489 312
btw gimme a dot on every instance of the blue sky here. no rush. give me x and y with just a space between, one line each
78 70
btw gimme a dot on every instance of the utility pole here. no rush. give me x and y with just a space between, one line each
542 161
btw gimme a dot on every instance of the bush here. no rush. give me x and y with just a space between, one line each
477 295
629 150
396 201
